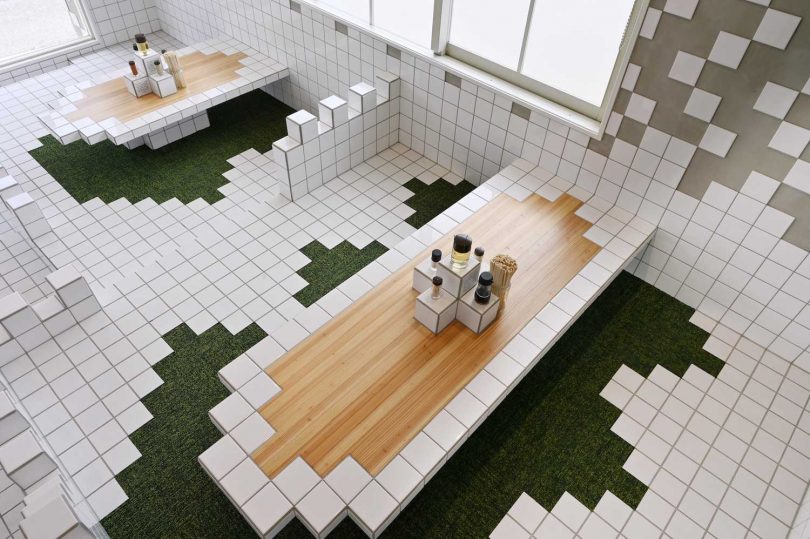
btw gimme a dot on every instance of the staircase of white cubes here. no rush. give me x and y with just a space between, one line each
345 133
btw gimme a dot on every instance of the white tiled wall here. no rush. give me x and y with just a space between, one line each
115 21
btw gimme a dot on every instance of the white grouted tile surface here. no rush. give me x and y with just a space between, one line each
728 455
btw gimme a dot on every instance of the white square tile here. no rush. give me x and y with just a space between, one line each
702 105
775 100
790 139
728 50
245 480
640 108
373 508
799 176
776 28
686 68
527 512
717 140
321 509
252 432
296 480
681 8
759 187
348 479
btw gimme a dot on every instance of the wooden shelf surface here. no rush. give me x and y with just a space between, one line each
112 100
369 380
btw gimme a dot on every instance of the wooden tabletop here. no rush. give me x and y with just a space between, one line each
368 381
112 100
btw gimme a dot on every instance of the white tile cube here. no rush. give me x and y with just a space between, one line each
362 97
333 111
435 314
162 85
474 315
24 461
137 85
458 281
302 126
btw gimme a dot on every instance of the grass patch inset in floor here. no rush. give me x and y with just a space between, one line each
431 200
330 267
187 169
169 493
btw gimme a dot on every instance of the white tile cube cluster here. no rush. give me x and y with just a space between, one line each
316 151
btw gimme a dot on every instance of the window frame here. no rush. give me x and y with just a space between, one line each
550 102
82 16
442 46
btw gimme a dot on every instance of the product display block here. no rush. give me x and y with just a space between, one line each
137 85
458 282
476 316
435 314
125 109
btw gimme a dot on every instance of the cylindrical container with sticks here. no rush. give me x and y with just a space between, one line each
175 69
502 268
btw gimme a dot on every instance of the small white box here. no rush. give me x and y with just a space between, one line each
146 62
458 281
333 111
362 97
435 314
475 315
162 85
137 85
302 126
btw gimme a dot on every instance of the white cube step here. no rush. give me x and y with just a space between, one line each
24 460
302 126
362 97
333 111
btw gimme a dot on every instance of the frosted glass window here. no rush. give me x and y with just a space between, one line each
573 45
33 27
412 20
490 29
359 9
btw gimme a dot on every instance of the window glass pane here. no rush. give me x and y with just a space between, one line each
490 29
31 26
412 20
355 8
573 44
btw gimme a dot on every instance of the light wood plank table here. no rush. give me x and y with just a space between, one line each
370 379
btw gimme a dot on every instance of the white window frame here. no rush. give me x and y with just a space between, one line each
79 17
554 103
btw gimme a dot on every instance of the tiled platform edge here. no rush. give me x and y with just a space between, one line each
344 134
728 455
373 502
259 71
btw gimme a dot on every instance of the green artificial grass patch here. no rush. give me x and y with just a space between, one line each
187 169
431 200
169 493
330 267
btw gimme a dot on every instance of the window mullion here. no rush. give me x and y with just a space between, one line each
525 36
442 10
